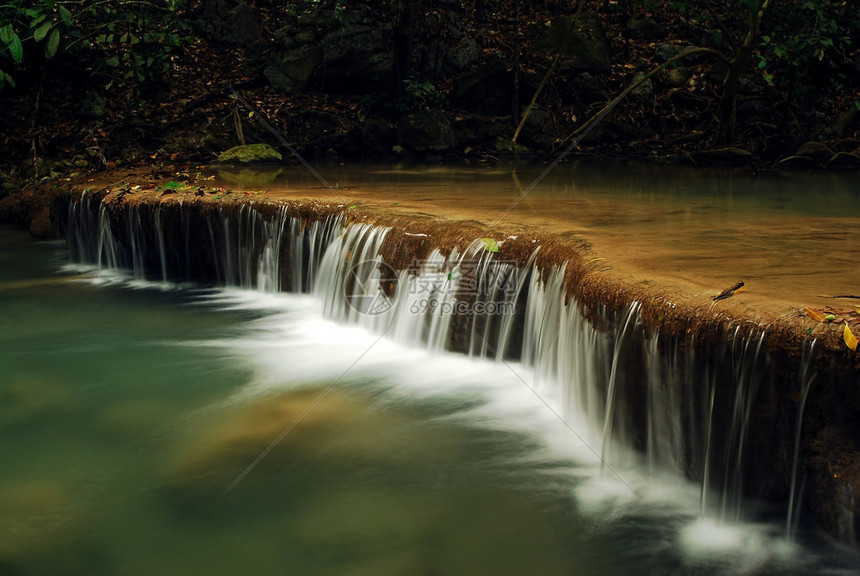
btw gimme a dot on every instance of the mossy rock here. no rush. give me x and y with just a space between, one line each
250 154
844 161
816 150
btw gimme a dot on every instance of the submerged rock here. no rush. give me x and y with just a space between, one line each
316 430
250 154
26 399
41 531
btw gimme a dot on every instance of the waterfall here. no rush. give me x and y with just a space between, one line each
806 380
231 246
663 403
474 291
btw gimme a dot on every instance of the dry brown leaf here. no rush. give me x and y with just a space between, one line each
815 315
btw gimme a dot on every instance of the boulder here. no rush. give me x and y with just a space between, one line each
428 131
293 71
250 154
644 90
487 89
476 130
847 122
818 152
377 135
228 22
844 161
729 155
677 77
538 130
317 53
795 163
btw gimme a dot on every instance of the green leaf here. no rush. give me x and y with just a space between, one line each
38 20
6 33
490 245
6 79
16 50
42 31
52 44
113 61
65 14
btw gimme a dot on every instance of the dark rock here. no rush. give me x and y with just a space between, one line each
844 161
228 22
464 54
644 91
293 72
728 155
817 151
795 163
377 135
474 130
505 146
846 145
427 131
358 60
847 122
589 88
644 27
677 77
321 55
41 225
487 89
538 130
586 48
665 51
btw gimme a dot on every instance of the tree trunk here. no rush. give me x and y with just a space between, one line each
728 102
405 29
515 97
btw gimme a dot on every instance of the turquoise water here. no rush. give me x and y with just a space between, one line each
131 416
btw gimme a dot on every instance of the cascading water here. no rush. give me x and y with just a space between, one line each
647 399
806 380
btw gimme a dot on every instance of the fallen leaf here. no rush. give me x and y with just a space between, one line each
490 244
850 338
815 315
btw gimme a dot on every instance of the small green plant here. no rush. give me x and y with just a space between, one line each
422 92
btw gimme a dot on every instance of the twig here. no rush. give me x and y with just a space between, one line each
728 292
